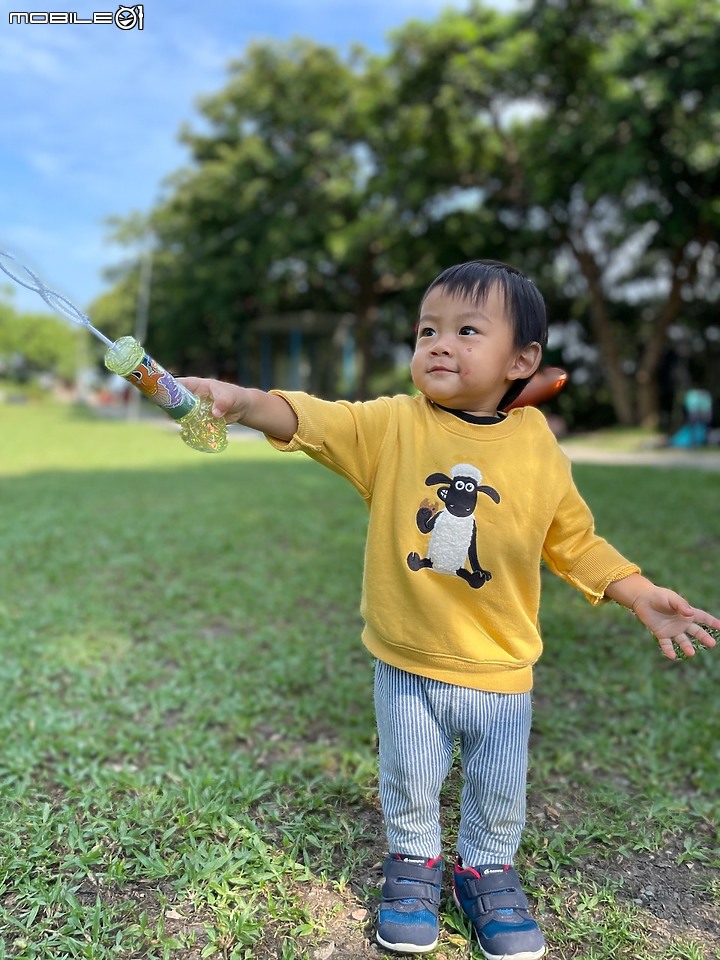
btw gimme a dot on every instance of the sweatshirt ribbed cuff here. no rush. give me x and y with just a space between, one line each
593 572
311 425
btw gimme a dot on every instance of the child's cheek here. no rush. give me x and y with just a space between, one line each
465 373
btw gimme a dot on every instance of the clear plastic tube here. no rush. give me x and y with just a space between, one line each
199 428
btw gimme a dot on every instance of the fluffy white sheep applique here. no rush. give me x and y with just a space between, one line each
453 531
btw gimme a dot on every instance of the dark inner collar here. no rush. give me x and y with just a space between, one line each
471 417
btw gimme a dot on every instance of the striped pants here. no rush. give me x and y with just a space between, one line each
418 722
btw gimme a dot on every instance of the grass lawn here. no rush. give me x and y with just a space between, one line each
187 746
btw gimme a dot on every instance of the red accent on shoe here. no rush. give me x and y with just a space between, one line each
425 862
461 868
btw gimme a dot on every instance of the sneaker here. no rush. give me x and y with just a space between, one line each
493 900
408 916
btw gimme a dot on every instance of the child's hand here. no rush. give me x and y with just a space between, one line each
673 621
228 400
267 412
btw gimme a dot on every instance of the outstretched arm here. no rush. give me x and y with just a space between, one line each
665 613
262 411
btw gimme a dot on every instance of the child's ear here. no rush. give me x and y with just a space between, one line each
526 362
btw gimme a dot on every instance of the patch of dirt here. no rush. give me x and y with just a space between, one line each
672 896
675 898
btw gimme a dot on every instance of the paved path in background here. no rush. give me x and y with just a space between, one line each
664 457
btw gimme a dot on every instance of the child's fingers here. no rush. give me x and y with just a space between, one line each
195 385
682 642
703 617
699 629
687 642
209 388
667 648
706 639
681 606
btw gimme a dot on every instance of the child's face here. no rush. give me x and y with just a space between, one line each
465 357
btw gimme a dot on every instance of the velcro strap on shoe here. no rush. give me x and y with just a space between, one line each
505 901
405 880
496 891
406 870
395 889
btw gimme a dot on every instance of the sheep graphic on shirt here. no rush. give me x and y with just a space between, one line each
453 531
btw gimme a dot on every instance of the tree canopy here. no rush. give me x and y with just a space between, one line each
36 343
577 139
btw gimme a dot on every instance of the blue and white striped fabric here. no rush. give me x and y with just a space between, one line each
418 722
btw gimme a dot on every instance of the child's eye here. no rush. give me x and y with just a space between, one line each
467 331
426 332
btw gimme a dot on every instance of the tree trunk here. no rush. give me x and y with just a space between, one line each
366 314
647 371
605 335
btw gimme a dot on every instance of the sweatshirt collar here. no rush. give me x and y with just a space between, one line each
471 417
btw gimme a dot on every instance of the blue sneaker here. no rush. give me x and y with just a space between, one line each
493 900
408 916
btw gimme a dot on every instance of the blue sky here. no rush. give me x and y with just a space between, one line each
89 114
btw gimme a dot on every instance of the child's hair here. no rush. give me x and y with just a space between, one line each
524 303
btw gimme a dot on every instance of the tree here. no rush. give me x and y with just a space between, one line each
314 188
577 138
580 140
278 210
36 343
628 183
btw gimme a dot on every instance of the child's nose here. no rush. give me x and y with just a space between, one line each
441 344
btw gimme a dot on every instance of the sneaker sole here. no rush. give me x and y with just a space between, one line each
405 947
525 955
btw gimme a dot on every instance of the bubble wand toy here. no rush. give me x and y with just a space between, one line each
126 357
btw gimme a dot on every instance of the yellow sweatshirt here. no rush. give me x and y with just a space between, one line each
461 515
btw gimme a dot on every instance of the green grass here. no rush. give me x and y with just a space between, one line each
187 745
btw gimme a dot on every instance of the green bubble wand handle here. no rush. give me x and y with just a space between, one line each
127 358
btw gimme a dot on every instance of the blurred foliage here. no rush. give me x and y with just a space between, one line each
578 139
37 343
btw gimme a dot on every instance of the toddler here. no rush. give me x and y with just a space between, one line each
464 502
